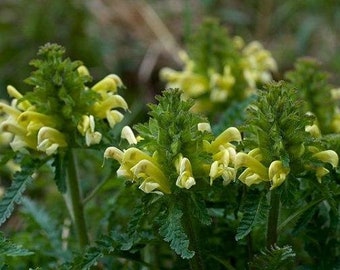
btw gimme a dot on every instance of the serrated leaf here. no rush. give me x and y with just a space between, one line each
14 193
304 219
254 210
274 259
60 172
88 259
173 232
7 248
45 222
200 211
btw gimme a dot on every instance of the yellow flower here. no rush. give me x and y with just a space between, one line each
33 121
277 173
221 85
135 165
49 140
223 140
313 130
192 84
110 101
14 93
224 154
185 178
204 127
127 134
115 153
257 64
152 175
220 166
105 109
86 127
107 85
327 156
255 171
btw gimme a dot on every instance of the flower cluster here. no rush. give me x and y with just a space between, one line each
176 149
282 139
221 71
60 107
314 88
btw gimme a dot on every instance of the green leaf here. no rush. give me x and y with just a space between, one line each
172 231
301 211
7 248
274 259
255 209
14 193
200 211
60 172
45 222
87 260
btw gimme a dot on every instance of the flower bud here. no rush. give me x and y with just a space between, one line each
277 173
127 134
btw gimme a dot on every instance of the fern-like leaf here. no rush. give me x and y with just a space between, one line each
274 259
7 248
59 172
172 231
14 193
45 222
254 210
87 260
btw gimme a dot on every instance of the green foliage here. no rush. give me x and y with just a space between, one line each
234 115
60 171
8 248
58 88
254 212
45 222
313 87
276 123
275 258
172 130
20 182
173 232
211 48
132 230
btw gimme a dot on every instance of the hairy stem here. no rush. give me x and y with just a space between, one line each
75 200
273 218
196 262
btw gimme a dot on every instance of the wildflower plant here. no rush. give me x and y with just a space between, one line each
313 87
285 154
177 158
60 114
219 69
258 189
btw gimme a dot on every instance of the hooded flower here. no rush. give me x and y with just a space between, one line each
277 173
138 166
185 178
223 154
255 171
327 156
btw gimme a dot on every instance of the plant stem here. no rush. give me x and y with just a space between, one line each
273 218
196 262
76 207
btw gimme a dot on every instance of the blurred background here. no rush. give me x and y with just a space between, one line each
134 39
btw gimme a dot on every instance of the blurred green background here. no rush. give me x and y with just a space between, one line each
134 39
